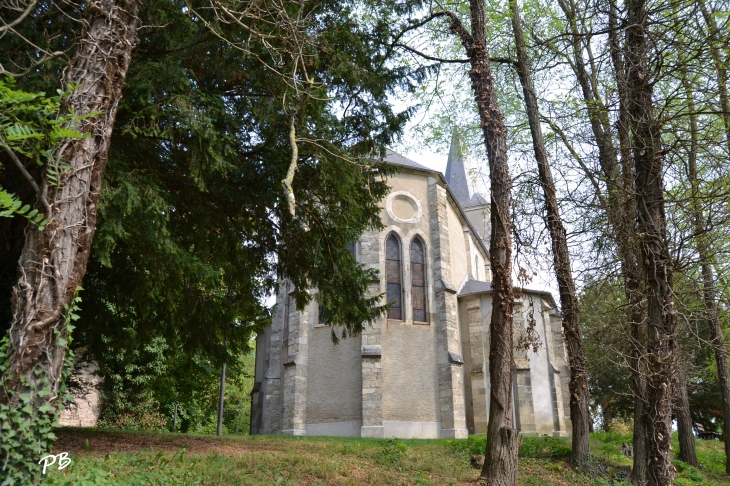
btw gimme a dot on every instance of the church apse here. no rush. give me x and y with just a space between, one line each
422 370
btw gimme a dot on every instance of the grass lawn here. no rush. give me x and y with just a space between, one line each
136 458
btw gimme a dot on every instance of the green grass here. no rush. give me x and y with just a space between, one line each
177 459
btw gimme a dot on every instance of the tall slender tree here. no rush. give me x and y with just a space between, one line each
613 184
500 464
652 226
579 399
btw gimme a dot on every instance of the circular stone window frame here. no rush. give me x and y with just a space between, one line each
405 195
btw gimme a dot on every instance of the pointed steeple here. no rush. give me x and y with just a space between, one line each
456 171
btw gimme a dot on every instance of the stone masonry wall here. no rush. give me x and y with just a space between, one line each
295 373
86 408
448 349
371 350
273 398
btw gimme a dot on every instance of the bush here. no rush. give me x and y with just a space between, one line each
544 447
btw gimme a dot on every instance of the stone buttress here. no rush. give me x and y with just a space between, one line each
448 349
371 351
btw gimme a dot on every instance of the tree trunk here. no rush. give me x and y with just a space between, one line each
638 338
53 262
619 204
651 218
606 419
687 452
579 400
624 224
500 463
708 281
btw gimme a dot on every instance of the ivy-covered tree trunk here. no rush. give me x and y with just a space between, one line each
53 262
500 462
652 227
579 412
623 221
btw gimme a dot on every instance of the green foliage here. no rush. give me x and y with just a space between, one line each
193 226
194 231
392 451
10 205
142 387
27 424
31 125
474 445
544 447
606 332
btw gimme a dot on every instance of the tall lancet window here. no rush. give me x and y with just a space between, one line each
418 280
393 277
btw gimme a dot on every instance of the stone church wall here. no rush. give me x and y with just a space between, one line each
474 323
539 371
334 384
410 379
457 245
403 378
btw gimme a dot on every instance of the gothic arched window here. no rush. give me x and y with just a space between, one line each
418 280
393 277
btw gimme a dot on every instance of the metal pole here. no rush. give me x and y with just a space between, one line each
220 400
223 371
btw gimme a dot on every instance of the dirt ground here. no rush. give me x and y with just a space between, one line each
87 442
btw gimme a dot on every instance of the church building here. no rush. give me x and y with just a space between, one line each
422 371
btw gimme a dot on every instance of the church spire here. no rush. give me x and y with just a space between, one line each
456 171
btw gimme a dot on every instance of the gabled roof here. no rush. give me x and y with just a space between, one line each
411 165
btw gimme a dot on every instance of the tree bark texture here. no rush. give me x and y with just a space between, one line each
579 400
709 295
687 451
500 463
618 175
651 219
53 262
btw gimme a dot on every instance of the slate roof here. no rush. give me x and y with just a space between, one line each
397 159
476 287
472 287
456 171
476 200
